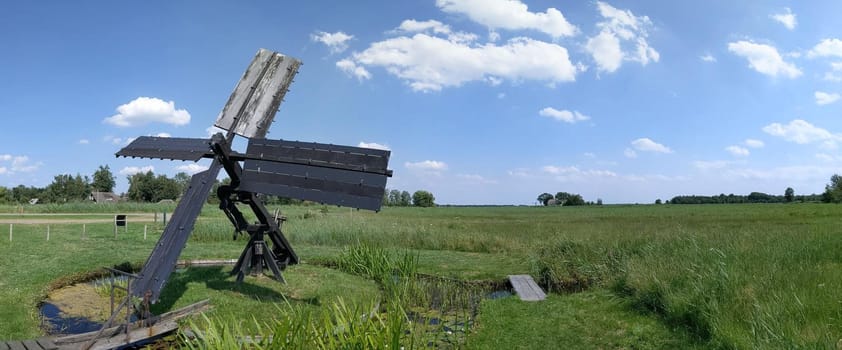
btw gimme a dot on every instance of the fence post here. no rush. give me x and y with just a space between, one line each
10 232
48 232
84 228
144 232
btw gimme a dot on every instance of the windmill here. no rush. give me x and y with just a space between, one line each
332 174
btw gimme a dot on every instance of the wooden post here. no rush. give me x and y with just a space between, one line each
144 232
164 221
48 232
84 228
10 232
155 220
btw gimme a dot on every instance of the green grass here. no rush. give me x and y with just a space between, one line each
732 276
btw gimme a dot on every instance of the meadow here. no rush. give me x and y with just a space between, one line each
636 276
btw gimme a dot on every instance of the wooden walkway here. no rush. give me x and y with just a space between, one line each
526 288
37 344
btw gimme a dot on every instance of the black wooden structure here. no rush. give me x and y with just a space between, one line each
331 174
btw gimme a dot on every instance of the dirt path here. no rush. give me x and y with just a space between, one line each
62 218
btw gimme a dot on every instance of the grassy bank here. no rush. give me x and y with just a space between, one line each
733 276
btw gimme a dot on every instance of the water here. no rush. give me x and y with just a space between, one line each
58 323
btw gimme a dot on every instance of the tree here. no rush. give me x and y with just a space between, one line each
394 197
423 198
406 199
67 188
574 199
833 190
182 180
789 194
562 197
145 187
543 198
103 180
599 201
658 201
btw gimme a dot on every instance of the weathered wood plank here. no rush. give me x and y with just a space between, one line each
3 346
135 335
526 288
31 345
46 343
15 345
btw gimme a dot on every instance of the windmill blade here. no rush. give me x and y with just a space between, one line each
173 148
161 262
320 154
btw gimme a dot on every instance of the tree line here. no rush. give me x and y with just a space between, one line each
564 199
398 198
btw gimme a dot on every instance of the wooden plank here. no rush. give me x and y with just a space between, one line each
46 343
135 335
3 346
15 345
526 288
175 315
31 345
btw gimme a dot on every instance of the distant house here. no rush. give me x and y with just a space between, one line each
104 197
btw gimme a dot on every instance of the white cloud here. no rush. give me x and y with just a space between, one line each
630 153
476 179
835 73
510 15
431 165
373 145
764 59
352 69
573 173
131 170
23 165
707 58
191 168
3 170
738 151
647 145
6 157
413 26
826 48
429 63
501 95
336 42
563 115
84 141
620 27
802 132
711 164
162 134
145 110
754 143
824 98
787 18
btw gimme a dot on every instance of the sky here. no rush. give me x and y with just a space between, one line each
479 101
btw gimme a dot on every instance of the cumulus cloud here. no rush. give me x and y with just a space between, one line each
573 173
764 59
373 145
431 165
622 37
428 62
3 170
754 143
738 151
6 157
563 115
352 69
476 179
191 168
707 58
647 145
824 98
802 132
831 47
24 165
630 153
84 141
336 42
212 130
787 18
510 15
131 170
145 110
835 73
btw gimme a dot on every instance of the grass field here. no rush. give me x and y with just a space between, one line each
666 276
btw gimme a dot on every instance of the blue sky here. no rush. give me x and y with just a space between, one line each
480 101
